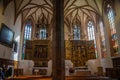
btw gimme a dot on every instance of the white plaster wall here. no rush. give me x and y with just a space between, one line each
17 29
5 52
27 66
67 32
8 19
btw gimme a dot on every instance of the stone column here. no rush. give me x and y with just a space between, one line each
58 55
107 60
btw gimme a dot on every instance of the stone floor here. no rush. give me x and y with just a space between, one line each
67 78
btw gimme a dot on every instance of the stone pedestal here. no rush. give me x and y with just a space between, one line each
68 65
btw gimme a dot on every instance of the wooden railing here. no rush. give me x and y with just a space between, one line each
18 72
6 62
113 72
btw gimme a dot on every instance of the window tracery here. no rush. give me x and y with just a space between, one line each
76 32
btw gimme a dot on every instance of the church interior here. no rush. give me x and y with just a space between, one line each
59 39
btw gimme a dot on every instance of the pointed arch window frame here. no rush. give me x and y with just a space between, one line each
90 30
114 36
76 32
91 34
27 36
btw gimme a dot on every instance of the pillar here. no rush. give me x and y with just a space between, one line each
107 61
58 54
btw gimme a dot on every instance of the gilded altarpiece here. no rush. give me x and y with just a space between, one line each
79 51
38 51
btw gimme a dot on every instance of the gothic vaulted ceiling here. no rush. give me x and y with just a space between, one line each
75 11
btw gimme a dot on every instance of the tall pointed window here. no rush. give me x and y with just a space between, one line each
91 34
104 53
27 36
76 32
90 30
27 33
111 18
43 33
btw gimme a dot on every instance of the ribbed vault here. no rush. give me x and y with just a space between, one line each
75 11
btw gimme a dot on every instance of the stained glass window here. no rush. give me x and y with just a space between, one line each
27 36
27 33
104 50
90 30
111 18
76 32
91 34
